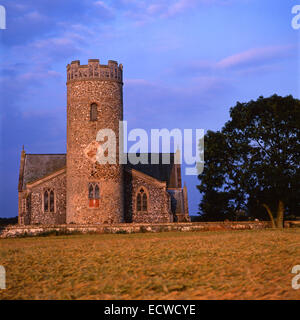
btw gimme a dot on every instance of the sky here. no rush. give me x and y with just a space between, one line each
186 62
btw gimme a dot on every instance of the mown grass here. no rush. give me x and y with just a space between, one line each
203 265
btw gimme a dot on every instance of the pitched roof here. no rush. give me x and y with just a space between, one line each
37 166
145 177
160 171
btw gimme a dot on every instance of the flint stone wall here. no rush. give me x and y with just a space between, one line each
38 216
159 209
81 137
31 230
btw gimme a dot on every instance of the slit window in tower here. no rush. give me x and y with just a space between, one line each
93 112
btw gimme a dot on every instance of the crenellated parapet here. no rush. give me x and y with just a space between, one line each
95 70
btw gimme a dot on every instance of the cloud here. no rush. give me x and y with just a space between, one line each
142 11
39 75
178 7
40 19
60 47
254 60
256 56
103 5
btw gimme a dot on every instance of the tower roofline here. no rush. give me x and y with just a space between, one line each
95 71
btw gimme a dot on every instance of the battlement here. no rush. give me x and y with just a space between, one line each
95 70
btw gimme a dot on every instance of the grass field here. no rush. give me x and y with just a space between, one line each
203 265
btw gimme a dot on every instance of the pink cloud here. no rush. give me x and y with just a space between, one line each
179 7
142 11
255 60
39 75
154 8
35 15
255 56
103 6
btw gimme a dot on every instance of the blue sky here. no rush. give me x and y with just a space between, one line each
186 62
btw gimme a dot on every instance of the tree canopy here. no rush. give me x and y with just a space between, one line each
252 165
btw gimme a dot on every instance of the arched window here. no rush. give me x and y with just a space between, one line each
139 202
94 195
97 192
145 203
142 201
49 200
93 112
91 191
46 203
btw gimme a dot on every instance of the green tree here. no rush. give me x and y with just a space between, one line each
253 163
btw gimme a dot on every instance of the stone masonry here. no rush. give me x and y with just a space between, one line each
86 85
75 189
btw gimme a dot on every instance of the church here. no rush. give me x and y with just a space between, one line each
74 188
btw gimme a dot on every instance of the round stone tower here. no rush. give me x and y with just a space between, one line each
94 102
